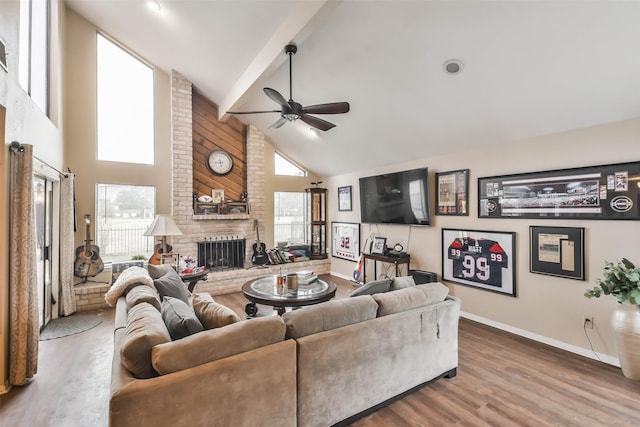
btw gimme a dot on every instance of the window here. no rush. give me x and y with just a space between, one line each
34 51
125 106
290 219
285 167
123 214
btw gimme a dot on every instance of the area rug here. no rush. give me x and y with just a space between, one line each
64 326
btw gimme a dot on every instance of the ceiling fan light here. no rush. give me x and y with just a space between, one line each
291 116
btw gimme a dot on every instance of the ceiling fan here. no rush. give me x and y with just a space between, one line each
291 111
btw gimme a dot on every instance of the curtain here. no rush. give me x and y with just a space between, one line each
67 224
23 296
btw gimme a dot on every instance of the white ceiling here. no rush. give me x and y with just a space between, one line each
530 68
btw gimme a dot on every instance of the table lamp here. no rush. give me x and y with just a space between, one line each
163 226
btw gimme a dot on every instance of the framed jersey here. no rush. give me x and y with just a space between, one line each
480 259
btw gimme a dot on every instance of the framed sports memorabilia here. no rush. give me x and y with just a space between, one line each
480 259
344 198
452 192
345 241
595 192
557 251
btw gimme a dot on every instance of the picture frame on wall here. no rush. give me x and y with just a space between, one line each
452 192
377 246
345 240
557 251
480 259
344 198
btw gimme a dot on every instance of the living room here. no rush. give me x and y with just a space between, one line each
545 308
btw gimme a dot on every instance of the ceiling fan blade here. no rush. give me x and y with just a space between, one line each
279 123
331 108
316 122
276 97
252 112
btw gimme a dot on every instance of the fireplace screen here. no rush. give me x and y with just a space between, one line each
223 254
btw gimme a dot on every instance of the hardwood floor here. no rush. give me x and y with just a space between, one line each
503 380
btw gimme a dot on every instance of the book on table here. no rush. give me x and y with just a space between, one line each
305 277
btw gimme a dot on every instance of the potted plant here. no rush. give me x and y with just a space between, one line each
622 280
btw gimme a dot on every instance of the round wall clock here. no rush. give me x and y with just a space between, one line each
219 162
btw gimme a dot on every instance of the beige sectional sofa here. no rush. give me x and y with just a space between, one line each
316 366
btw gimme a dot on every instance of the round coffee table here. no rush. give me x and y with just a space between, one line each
264 291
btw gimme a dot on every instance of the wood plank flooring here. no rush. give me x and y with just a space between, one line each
503 380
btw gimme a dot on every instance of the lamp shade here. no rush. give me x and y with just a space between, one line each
163 225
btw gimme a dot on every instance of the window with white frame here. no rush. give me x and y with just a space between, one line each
33 58
125 105
286 167
123 214
290 219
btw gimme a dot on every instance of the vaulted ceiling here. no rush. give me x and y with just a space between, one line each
530 68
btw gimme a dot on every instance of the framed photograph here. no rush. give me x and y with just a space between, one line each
217 195
345 240
344 198
480 259
118 267
595 192
377 246
557 251
452 192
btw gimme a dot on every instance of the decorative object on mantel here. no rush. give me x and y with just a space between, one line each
163 226
208 205
622 280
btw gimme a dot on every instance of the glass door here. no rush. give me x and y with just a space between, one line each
43 202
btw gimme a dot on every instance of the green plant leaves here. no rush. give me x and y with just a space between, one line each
621 279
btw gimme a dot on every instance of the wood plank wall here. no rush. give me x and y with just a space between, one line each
210 134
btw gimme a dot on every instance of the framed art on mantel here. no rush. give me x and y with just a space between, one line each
452 192
557 251
480 259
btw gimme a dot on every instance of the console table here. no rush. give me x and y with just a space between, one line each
397 261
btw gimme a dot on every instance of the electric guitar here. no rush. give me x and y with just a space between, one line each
259 256
88 262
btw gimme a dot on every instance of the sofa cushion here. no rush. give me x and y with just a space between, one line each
402 282
409 298
329 315
170 285
211 314
144 330
141 294
180 318
130 278
371 288
157 271
217 344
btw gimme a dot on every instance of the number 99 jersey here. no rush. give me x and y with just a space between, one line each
478 260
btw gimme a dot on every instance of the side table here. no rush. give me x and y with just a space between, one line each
397 261
193 278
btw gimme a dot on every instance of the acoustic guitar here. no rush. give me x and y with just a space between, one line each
259 256
160 249
88 262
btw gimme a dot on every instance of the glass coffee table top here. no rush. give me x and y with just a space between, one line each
267 286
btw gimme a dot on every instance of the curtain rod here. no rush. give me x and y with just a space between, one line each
17 147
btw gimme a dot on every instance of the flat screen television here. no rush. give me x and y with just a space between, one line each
396 198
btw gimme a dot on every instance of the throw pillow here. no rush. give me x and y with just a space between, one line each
157 271
170 285
130 278
410 298
402 282
144 330
180 319
375 287
141 294
211 314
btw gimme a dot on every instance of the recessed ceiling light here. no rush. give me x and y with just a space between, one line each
453 66
315 132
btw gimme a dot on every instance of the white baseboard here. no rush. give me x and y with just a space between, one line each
586 352
342 276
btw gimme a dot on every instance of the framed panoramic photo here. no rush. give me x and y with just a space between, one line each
480 259
344 198
557 251
452 192
345 240
594 192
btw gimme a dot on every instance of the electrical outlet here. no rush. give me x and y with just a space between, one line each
588 322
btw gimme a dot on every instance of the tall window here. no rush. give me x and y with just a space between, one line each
34 51
123 214
125 106
290 219
285 167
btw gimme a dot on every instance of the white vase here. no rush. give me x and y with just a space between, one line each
626 328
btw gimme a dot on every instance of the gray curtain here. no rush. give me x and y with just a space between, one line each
23 296
67 300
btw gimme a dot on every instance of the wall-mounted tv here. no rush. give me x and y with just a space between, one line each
396 198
